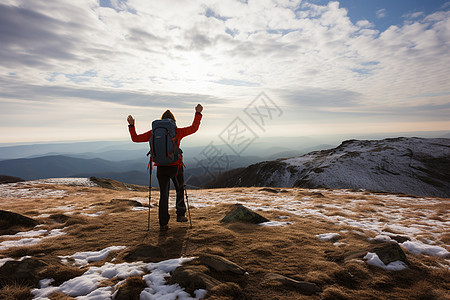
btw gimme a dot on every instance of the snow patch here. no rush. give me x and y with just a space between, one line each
93 215
275 223
67 181
328 236
26 233
381 238
416 247
29 239
84 258
156 281
12 191
139 208
4 260
86 286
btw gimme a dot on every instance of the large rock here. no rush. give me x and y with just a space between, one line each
192 278
127 202
9 219
221 264
303 286
240 213
9 179
389 252
25 272
270 190
117 185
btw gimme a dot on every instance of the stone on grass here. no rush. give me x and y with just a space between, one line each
9 219
389 252
9 179
221 264
193 278
112 184
274 191
125 202
400 238
240 213
303 286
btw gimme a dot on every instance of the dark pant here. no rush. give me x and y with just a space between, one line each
164 174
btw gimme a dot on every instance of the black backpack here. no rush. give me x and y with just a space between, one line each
164 148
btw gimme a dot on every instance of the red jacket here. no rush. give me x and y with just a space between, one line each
181 133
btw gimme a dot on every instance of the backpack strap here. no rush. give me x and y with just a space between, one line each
167 144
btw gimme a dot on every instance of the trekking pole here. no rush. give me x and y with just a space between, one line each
187 201
149 196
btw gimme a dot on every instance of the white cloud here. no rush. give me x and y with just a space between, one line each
414 15
220 52
381 13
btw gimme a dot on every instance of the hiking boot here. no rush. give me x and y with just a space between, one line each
182 219
163 228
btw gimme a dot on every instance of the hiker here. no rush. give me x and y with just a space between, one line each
172 171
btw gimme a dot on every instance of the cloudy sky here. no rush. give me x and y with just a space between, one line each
73 70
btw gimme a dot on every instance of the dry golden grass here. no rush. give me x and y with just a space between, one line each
15 292
60 273
292 250
60 296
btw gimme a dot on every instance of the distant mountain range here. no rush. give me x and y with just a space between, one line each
127 162
61 166
415 166
407 165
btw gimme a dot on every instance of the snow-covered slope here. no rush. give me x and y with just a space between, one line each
401 165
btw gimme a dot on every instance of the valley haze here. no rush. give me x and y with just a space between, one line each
385 170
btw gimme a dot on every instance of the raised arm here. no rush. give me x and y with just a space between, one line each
185 131
137 138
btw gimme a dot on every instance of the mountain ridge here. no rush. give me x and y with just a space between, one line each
416 166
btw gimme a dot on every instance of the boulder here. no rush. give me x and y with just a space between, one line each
389 252
10 179
125 202
192 278
112 184
9 219
303 286
274 191
240 213
400 238
221 264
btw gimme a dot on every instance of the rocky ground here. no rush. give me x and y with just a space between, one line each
68 238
